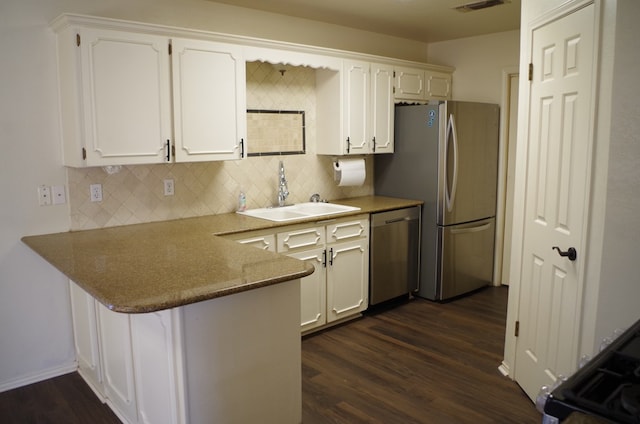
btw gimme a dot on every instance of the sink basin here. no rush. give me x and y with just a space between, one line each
298 211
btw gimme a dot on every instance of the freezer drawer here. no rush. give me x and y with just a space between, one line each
395 252
465 260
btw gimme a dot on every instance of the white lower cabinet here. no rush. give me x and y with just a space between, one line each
206 362
85 329
117 362
313 299
339 250
156 373
128 360
347 279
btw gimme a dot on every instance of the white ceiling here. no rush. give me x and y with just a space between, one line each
423 20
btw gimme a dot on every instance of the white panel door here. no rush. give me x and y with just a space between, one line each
117 362
410 84
209 101
313 288
356 107
156 368
347 278
126 94
382 108
559 145
85 331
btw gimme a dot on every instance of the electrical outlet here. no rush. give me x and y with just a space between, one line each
169 188
58 195
95 192
44 195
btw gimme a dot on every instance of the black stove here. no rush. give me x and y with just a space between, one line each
607 387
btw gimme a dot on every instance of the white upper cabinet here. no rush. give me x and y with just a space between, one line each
356 106
134 93
124 97
209 100
116 103
367 109
421 85
409 84
382 108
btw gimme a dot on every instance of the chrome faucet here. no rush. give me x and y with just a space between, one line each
283 191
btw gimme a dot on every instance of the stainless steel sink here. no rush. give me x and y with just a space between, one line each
298 211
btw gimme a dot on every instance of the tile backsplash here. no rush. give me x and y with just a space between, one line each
135 194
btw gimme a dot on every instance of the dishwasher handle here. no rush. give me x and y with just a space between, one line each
406 218
402 215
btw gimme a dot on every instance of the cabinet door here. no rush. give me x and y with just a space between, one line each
382 108
356 107
156 371
347 278
117 361
85 331
313 289
438 85
209 100
126 97
410 84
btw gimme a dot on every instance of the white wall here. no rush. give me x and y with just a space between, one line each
35 326
478 62
35 329
618 285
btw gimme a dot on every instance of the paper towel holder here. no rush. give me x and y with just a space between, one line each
353 173
336 159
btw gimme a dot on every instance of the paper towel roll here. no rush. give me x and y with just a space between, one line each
349 172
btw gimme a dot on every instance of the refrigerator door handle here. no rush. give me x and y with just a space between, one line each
479 228
453 133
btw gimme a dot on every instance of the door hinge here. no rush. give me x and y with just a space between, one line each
516 333
531 72
84 153
78 40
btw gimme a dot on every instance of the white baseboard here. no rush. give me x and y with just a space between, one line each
504 370
37 377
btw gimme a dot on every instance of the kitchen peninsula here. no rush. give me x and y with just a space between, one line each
211 329
176 324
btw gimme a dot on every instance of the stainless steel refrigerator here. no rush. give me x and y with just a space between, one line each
446 154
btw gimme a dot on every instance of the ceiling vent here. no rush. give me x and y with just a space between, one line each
477 5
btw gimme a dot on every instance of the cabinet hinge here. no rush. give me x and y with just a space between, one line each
84 153
531 72
170 49
78 40
173 150
516 332
394 74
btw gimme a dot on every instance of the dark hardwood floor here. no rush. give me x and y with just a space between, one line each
419 362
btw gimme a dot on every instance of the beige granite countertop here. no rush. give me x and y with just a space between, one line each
160 265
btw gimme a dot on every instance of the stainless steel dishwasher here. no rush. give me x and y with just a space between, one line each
395 254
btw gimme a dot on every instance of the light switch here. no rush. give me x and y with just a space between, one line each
44 195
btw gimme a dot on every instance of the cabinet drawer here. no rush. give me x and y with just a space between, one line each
348 229
264 240
303 238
